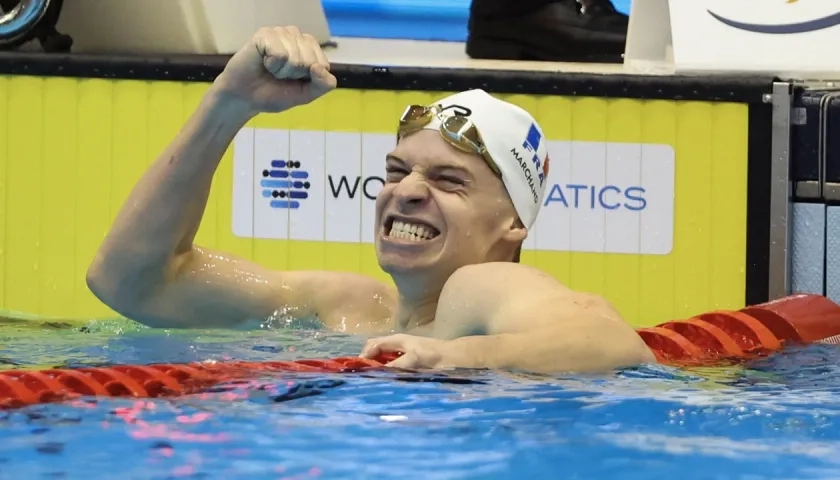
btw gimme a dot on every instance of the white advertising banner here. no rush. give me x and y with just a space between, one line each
321 186
776 37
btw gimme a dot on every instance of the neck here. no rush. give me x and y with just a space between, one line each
417 305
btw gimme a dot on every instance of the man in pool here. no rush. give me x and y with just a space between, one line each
464 185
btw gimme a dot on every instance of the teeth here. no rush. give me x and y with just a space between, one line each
411 231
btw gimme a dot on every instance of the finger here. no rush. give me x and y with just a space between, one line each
322 80
322 58
296 41
317 51
275 56
391 343
319 71
308 46
281 56
295 68
408 360
370 350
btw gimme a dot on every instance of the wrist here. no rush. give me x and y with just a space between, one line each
233 108
468 352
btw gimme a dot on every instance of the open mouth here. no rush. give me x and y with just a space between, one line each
412 231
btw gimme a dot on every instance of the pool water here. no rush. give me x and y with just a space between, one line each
777 419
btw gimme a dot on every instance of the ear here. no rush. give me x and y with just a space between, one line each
517 232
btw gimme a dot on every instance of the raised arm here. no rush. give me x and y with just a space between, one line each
148 268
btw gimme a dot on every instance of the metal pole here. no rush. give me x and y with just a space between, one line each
780 192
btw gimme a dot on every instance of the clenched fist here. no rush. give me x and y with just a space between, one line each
278 69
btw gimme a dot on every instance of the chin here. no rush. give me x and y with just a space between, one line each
400 259
405 263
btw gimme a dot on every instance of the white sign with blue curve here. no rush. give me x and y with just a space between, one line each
320 186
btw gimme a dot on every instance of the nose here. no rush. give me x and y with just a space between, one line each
412 190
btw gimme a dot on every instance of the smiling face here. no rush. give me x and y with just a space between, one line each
441 209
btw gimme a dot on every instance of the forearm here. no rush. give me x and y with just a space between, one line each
547 351
507 351
161 215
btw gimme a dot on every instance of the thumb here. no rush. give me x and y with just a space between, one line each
322 80
371 350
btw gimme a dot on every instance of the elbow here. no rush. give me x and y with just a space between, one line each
95 277
130 288
103 285
103 270
111 291
109 285
126 275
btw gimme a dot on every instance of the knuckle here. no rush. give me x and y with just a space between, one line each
263 32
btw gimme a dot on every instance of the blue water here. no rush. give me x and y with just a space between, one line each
777 419
443 20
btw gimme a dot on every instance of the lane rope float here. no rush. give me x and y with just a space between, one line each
714 338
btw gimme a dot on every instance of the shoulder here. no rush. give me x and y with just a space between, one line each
505 291
503 276
338 297
488 294
505 298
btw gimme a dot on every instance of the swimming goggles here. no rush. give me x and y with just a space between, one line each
456 129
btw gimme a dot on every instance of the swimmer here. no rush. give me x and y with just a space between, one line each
463 186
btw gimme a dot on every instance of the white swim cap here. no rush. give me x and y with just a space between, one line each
514 141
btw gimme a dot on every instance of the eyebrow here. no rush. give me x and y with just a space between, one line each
394 158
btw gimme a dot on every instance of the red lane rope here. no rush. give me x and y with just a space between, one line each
726 336
26 387
713 338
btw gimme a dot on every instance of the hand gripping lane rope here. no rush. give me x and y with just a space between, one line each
713 338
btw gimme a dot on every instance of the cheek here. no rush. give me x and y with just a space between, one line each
463 220
487 220
382 197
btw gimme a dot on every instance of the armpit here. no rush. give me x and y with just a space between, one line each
354 303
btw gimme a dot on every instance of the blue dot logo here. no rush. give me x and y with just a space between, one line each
286 184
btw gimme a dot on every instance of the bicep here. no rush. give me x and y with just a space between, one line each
553 323
204 288
549 308
582 322
581 334
209 289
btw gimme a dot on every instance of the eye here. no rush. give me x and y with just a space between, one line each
395 174
451 181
